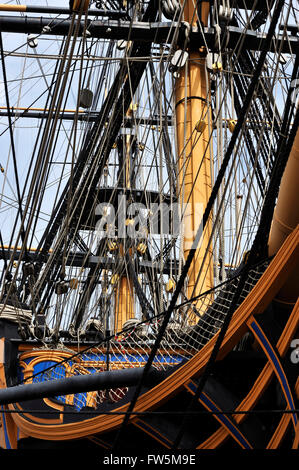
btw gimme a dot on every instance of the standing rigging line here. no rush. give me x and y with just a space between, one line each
106 200
89 139
88 127
215 189
243 276
104 148
12 144
44 147
68 233
40 194
3 252
254 252
35 145
73 154
61 124
281 156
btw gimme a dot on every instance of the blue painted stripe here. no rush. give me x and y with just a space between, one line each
7 441
277 366
153 432
225 420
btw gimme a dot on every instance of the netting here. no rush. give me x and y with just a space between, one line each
131 347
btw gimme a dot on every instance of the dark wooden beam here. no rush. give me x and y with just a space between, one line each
155 32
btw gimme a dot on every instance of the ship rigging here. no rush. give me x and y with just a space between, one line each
149 235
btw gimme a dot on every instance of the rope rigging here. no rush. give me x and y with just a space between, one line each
206 214
120 301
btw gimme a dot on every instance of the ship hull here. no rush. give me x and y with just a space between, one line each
241 383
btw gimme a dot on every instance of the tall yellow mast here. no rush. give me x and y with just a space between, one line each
191 95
